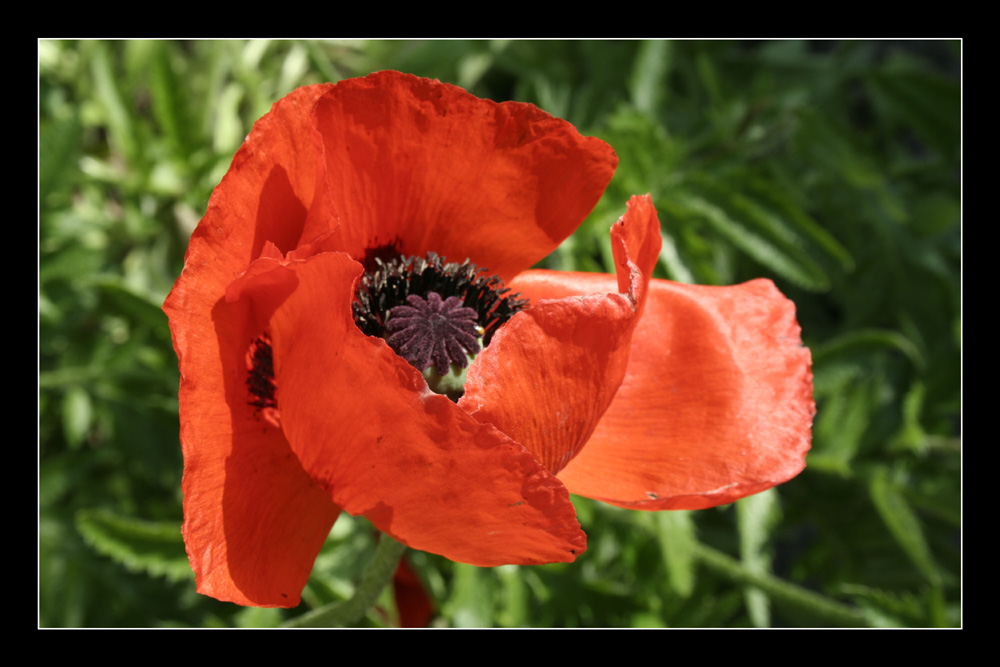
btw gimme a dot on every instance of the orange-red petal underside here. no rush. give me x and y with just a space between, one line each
253 520
716 404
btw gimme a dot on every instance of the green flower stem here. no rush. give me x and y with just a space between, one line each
379 572
816 605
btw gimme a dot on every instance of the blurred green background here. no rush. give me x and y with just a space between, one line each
832 168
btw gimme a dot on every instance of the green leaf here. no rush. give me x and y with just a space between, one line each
815 605
168 105
293 67
139 307
229 131
799 270
647 85
903 524
258 617
677 542
792 213
58 142
78 413
911 434
120 130
155 548
929 104
472 602
841 425
757 516
515 597
893 609
866 341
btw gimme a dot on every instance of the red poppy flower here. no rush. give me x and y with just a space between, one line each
348 199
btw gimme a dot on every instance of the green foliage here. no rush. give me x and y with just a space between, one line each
830 167
155 548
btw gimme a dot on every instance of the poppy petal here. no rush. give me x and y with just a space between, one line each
365 426
424 166
716 405
253 519
551 371
251 537
264 197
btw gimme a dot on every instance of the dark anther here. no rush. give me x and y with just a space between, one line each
393 280
260 380
431 330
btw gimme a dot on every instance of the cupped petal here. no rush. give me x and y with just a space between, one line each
253 519
264 197
366 428
716 405
424 166
551 371
241 481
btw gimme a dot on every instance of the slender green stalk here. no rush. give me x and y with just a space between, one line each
378 574
816 605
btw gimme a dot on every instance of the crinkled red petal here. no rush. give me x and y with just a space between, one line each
428 167
264 197
716 404
254 521
550 373
366 428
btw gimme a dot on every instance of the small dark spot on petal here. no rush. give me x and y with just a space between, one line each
652 495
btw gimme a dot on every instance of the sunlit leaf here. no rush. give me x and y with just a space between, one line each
155 548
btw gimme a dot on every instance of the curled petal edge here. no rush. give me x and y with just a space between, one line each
551 371
367 430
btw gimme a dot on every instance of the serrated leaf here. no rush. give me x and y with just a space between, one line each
155 548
